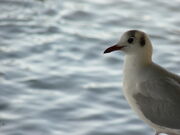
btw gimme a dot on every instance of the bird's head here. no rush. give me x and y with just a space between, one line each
133 42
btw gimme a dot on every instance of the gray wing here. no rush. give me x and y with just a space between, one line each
159 101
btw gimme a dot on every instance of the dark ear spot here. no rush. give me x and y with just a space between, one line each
142 41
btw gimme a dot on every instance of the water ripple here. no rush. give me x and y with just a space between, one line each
54 77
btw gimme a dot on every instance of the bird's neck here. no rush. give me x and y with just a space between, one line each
133 65
137 61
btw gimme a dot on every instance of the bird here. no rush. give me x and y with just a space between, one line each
152 91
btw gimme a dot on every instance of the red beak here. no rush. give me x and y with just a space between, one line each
113 48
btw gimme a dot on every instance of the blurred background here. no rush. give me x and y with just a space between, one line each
54 78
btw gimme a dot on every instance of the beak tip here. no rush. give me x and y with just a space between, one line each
105 52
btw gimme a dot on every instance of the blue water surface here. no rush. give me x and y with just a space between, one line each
54 78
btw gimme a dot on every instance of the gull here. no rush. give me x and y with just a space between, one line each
151 91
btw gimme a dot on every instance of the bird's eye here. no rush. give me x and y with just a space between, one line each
130 40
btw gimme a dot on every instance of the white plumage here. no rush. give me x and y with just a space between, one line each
152 92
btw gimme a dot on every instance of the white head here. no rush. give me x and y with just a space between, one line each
134 43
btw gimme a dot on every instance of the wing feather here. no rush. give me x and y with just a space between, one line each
159 101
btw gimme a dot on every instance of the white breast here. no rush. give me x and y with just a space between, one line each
132 77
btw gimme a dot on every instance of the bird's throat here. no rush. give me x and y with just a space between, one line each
137 61
133 65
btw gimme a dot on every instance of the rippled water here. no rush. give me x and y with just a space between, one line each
54 78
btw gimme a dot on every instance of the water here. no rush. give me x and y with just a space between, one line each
54 78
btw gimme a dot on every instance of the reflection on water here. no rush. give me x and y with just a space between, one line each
54 78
